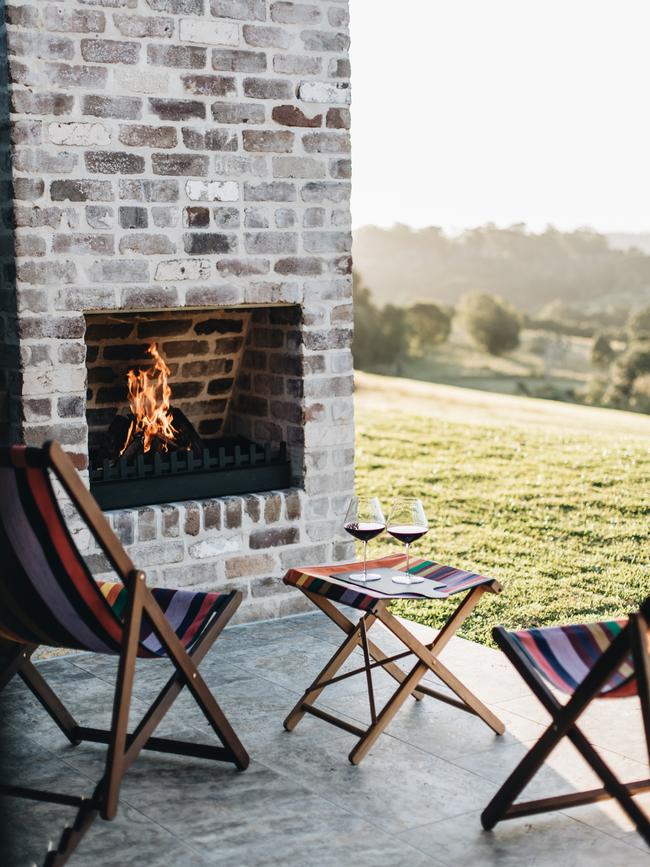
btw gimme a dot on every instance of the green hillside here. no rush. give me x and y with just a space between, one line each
552 499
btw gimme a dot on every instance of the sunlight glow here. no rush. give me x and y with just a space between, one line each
506 111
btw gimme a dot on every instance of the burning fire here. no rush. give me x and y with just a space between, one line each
149 398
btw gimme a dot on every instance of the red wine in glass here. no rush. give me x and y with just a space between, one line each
364 531
407 523
407 533
364 520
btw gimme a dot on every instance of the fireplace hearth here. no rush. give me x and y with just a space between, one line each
224 467
154 450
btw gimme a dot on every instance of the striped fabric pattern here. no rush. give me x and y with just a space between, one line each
187 612
564 655
47 594
323 580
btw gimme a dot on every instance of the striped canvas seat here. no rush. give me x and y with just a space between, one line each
564 655
187 611
47 593
324 581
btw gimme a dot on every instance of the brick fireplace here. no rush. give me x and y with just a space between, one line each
180 174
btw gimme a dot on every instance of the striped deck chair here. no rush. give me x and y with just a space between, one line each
589 661
49 597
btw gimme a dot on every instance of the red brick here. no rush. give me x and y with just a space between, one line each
289 115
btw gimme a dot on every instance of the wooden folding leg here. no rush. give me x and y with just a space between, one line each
642 669
331 667
123 747
409 682
18 663
427 656
122 701
13 656
39 687
141 737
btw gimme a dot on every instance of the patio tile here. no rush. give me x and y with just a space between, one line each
398 786
315 832
258 817
45 823
318 626
552 840
439 728
565 770
625 738
130 839
607 816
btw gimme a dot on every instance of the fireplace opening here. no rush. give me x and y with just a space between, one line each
193 404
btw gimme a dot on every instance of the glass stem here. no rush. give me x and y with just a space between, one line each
365 560
408 553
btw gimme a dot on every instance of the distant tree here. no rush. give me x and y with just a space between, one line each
428 325
638 325
392 337
365 349
492 323
584 269
559 311
602 353
380 334
632 364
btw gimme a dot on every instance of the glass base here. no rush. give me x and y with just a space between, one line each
362 576
407 579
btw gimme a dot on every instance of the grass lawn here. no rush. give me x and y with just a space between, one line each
552 499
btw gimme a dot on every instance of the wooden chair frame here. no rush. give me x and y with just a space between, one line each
633 638
426 660
123 747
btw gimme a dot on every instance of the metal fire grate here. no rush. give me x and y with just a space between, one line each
225 467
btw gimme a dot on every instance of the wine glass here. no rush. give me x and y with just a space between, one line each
364 520
407 523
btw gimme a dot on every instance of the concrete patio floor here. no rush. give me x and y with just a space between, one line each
415 800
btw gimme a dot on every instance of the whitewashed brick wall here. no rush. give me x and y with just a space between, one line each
175 154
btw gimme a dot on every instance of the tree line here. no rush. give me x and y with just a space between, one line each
385 337
527 269
388 335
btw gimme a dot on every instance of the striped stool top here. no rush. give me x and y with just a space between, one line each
323 580
564 655
47 593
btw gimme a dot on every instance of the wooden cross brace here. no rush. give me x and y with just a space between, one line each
409 682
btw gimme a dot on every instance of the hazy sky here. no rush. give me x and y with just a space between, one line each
469 111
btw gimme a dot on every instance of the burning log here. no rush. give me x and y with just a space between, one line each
132 450
117 434
153 425
187 437
149 399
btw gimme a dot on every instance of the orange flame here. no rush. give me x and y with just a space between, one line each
149 398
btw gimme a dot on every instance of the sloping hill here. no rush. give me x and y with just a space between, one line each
448 403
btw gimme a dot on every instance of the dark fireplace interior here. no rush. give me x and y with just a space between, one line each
193 404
